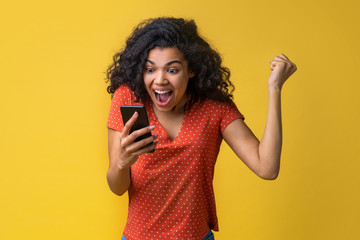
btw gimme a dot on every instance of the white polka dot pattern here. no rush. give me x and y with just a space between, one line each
171 194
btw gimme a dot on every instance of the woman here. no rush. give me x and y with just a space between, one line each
168 68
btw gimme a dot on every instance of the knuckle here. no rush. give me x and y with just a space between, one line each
135 134
149 140
123 146
127 125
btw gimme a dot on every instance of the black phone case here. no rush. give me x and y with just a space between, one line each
142 121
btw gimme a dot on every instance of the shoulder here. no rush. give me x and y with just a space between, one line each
226 111
218 106
122 91
125 95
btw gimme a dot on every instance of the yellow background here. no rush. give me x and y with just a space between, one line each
54 108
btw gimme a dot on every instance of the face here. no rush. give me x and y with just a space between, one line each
166 78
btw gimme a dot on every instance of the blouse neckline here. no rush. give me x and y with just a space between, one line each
153 116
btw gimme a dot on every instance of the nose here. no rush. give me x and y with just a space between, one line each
160 78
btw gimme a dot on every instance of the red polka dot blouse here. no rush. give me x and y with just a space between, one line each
171 193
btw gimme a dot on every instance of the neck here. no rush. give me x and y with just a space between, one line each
179 109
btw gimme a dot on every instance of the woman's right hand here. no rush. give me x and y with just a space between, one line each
123 152
130 150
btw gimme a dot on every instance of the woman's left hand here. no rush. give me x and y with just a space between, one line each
282 68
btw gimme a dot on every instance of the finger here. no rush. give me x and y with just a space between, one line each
275 63
279 58
287 64
146 149
284 56
130 123
138 133
272 65
136 146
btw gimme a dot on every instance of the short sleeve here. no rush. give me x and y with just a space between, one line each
122 96
230 114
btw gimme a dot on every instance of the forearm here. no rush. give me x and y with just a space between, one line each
271 142
118 179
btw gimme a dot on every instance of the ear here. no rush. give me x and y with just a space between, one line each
191 74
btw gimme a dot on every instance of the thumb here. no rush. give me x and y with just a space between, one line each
272 65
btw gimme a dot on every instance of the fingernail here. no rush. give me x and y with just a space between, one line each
152 128
155 135
135 113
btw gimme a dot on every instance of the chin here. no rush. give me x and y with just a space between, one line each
164 109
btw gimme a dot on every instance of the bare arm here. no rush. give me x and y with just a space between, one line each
263 158
123 152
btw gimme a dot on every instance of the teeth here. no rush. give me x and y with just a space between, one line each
161 92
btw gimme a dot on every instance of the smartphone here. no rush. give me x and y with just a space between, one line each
142 121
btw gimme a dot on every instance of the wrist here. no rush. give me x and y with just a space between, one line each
274 89
119 166
122 168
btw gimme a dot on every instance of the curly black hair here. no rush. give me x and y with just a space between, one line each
211 80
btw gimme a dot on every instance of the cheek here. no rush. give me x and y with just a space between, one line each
182 84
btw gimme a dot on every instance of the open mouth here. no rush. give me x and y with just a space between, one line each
163 96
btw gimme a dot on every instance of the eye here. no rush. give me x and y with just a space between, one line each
172 70
149 70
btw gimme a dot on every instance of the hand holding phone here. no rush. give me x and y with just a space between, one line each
142 120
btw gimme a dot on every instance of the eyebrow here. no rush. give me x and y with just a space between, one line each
167 64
